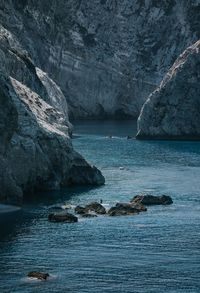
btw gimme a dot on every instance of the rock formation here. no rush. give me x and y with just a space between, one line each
94 207
106 55
148 199
172 111
62 217
38 275
126 209
35 147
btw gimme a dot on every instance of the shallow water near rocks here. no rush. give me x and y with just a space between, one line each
156 251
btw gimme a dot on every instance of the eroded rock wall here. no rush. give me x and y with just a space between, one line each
36 152
106 55
172 111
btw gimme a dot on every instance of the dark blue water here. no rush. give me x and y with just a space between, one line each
157 251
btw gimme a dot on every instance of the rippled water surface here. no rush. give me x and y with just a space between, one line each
156 251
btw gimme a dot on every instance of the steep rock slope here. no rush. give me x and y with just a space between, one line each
35 148
106 55
173 110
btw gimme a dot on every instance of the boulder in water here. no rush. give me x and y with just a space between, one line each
138 206
95 207
91 207
62 217
38 275
80 210
152 199
122 209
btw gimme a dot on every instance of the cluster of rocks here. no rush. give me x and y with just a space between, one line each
135 206
91 210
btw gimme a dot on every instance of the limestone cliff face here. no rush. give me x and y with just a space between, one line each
173 110
35 147
106 55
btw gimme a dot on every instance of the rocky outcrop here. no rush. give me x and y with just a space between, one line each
106 55
80 210
38 275
62 217
124 209
96 208
173 110
91 207
138 206
35 147
148 199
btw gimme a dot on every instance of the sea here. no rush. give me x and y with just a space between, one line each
155 251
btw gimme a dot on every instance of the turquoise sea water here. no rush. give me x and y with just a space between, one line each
157 251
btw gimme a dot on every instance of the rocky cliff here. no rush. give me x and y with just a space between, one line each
35 147
173 110
106 55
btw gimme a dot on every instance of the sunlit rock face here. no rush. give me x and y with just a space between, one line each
173 110
35 146
107 56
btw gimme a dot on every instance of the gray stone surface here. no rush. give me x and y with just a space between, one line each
106 55
35 147
173 110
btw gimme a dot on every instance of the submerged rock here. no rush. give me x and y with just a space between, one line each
62 217
123 209
172 111
38 275
152 200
